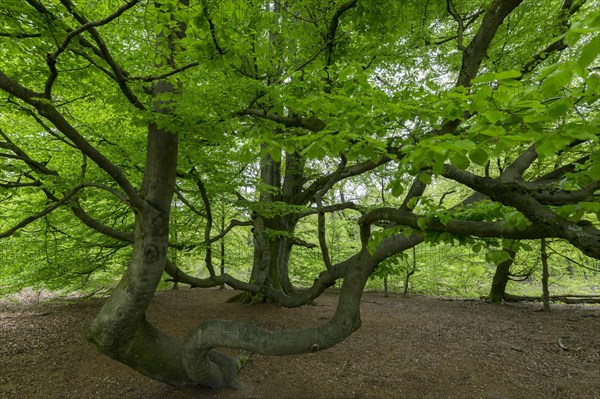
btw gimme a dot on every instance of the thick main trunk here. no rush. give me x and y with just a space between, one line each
121 330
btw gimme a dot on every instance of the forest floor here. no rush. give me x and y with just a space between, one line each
419 347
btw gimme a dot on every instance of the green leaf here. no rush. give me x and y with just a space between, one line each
557 80
493 116
493 131
589 52
558 108
525 246
425 178
459 160
397 188
479 156
551 144
594 171
497 256
593 83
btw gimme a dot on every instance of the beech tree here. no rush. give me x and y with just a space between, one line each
171 106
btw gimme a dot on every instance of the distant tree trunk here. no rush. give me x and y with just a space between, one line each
274 228
545 275
501 277
410 271
385 286
222 248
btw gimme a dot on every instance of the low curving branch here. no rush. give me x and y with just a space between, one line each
455 226
584 236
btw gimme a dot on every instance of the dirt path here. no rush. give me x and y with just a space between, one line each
407 348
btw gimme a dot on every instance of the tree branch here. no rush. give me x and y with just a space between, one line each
51 58
568 9
119 74
461 27
22 155
41 214
312 124
454 226
348 171
164 75
20 35
48 111
330 35
475 51
585 237
321 213
332 208
207 227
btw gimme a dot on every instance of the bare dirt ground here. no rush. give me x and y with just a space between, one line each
407 348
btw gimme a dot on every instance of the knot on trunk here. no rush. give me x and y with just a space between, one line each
151 253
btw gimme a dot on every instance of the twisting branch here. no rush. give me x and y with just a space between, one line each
98 226
91 60
208 227
572 260
461 27
321 213
585 237
182 277
312 124
20 35
187 203
22 155
568 9
330 35
50 112
119 74
416 190
109 189
20 185
348 171
74 203
474 52
213 30
232 224
41 214
51 58
332 208
467 21
564 197
455 226
92 24
28 111
302 243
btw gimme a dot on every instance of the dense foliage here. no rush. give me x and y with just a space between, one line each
266 145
